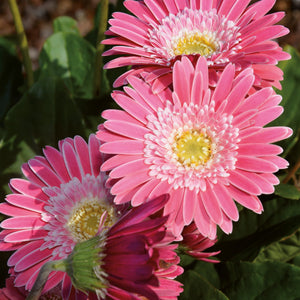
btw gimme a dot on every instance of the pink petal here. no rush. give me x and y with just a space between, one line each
246 200
211 205
118 160
127 129
30 259
23 222
57 162
163 187
26 235
255 164
129 182
82 151
23 251
203 221
224 85
269 135
257 149
72 161
12 210
189 202
44 173
243 183
128 168
131 147
145 92
280 162
226 225
143 193
27 188
226 202
26 202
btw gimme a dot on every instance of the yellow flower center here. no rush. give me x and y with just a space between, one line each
85 217
192 148
195 43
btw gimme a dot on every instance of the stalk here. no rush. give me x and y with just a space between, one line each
46 269
100 47
22 40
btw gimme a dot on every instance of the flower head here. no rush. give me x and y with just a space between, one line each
205 148
131 259
194 244
160 32
59 204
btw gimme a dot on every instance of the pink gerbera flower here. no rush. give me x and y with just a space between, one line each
222 31
194 244
59 205
132 259
203 147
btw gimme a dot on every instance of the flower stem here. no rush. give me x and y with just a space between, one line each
100 47
292 172
46 269
22 41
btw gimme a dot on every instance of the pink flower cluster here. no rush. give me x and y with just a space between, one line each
189 142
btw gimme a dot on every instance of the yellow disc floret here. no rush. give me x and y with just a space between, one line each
192 148
195 43
85 217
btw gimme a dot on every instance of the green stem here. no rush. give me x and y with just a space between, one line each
22 41
292 172
46 269
100 47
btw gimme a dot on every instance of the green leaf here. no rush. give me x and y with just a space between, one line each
69 57
259 281
281 218
290 96
65 24
287 191
44 115
284 250
197 287
10 76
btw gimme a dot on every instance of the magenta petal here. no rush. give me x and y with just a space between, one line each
26 202
26 235
14 211
28 188
22 222
44 172
23 251
56 161
32 258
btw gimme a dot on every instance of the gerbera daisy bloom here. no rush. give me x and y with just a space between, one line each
203 147
194 244
132 259
160 32
59 205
